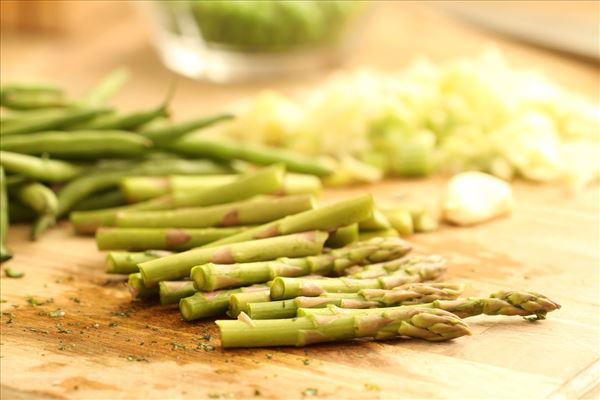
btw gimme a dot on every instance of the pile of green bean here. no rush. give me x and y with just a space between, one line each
59 155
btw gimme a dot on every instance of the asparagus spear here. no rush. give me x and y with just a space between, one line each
212 276
411 265
178 266
411 293
509 303
501 303
198 146
377 221
139 188
264 181
295 183
343 236
279 309
79 144
88 222
423 323
415 293
247 212
5 254
84 186
327 218
401 220
41 169
124 262
421 219
138 289
287 288
239 302
171 292
159 238
209 304
366 235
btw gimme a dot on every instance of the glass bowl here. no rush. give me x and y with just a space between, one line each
240 40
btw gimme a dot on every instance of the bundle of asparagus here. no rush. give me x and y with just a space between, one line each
287 287
291 271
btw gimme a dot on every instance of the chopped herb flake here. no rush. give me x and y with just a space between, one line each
124 314
32 300
176 345
61 328
10 316
206 347
35 330
58 313
136 358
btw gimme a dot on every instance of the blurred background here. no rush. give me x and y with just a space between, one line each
76 43
382 88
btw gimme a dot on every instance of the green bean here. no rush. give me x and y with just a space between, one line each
31 97
43 201
29 88
48 121
79 144
5 254
220 149
168 132
107 178
128 121
41 225
41 169
107 87
21 116
15 180
108 199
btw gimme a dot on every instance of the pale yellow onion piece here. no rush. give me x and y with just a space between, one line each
474 197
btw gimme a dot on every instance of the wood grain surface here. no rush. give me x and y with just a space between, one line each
108 347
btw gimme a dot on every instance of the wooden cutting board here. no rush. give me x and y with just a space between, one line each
109 347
